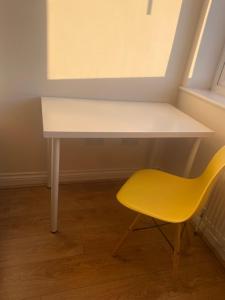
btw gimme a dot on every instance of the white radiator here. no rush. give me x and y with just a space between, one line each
213 221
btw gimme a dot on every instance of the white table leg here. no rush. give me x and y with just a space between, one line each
55 183
49 161
191 157
151 158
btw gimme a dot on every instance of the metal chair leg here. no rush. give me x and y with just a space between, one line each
124 237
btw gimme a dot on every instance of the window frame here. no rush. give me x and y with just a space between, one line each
216 87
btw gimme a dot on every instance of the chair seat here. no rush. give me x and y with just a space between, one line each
161 195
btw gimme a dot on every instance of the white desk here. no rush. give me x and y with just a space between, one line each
81 118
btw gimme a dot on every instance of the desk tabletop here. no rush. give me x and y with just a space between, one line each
86 118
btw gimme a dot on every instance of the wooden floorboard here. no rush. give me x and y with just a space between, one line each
76 263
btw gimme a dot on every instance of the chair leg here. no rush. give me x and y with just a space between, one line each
189 236
177 248
124 237
186 238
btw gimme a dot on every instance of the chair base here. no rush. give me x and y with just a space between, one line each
176 246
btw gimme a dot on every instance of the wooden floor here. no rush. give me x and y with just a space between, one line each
76 263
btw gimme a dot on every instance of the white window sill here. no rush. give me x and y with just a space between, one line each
207 95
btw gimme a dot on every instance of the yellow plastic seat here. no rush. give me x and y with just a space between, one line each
167 197
160 195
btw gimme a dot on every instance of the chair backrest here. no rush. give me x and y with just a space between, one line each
210 174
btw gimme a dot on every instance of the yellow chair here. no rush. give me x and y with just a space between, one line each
168 198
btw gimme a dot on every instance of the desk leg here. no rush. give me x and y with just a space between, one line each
49 161
191 157
151 158
55 155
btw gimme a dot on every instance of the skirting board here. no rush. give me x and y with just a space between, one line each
10 180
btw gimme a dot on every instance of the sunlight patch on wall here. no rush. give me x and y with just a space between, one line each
110 38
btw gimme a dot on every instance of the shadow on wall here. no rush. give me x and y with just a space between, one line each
22 143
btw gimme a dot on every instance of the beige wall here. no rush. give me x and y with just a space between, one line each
23 76
207 113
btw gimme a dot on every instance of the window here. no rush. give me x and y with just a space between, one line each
219 82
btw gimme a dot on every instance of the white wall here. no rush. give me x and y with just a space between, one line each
24 79
209 114
176 151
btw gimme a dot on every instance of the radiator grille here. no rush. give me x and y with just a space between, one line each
213 221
